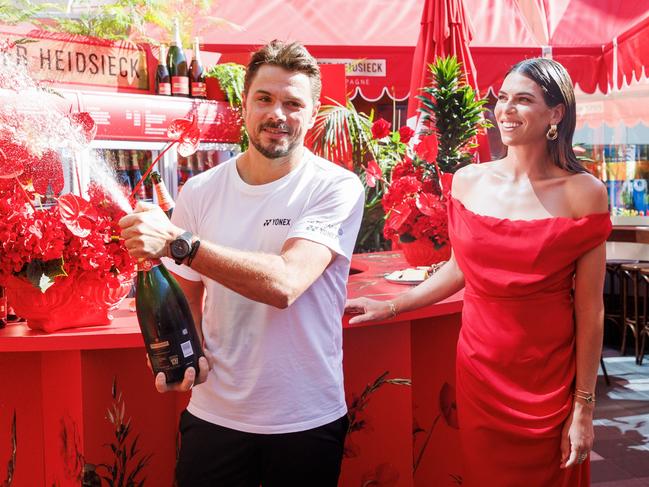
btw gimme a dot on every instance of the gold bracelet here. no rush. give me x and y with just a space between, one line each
393 309
586 396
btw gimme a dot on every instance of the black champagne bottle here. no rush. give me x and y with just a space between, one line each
121 168
177 63
162 77
166 322
197 73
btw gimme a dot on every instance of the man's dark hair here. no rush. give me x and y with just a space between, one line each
292 57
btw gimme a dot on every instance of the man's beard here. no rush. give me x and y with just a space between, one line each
274 151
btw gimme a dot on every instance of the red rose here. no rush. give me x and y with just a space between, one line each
406 133
381 128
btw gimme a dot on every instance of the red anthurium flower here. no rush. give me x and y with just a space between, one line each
381 128
427 148
86 125
398 215
187 133
373 173
77 214
405 134
427 202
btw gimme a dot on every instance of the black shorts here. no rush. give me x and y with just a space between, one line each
214 456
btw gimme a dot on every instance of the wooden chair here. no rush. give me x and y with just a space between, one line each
632 319
643 331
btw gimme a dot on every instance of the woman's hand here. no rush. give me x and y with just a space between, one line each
577 435
369 310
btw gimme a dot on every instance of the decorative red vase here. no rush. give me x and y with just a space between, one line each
422 252
214 91
76 300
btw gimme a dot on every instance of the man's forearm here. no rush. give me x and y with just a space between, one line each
266 278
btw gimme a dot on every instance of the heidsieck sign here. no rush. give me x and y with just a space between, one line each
360 67
67 59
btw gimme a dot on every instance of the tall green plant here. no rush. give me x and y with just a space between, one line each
452 110
231 78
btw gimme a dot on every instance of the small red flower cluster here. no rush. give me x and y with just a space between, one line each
414 206
73 235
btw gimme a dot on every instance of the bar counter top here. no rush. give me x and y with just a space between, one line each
366 279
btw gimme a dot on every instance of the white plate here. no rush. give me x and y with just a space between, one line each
397 279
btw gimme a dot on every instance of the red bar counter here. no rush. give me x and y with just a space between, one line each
63 381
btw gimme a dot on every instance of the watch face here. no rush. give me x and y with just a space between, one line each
179 248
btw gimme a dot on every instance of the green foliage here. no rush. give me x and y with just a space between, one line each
42 274
11 463
454 111
17 11
231 77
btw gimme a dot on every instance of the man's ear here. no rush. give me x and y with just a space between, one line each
314 114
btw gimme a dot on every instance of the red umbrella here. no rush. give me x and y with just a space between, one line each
445 30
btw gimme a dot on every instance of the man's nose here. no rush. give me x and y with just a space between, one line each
277 112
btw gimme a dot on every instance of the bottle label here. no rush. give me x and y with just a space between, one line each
199 90
164 89
180 85
187 349
164 198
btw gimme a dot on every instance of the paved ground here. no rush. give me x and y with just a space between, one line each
620 456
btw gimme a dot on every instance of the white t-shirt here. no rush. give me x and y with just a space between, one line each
276 370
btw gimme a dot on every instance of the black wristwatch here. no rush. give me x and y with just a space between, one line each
181 247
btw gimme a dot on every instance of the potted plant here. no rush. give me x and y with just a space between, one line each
225 82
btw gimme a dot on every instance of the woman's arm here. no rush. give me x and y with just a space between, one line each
444 283
578 436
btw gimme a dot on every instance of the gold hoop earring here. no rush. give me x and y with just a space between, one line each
553 132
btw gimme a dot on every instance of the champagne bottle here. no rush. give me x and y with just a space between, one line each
121 166
166 322
162 77
197 73
3 308
177 63
164 198
136 175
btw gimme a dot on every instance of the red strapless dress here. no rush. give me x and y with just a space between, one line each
516 351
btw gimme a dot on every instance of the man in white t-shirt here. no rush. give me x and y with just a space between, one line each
272 235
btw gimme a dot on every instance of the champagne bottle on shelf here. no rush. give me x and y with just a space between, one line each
3 308
200 161
165 201
136 175
121 168
197 73
185 170
162 77
177 63
165 318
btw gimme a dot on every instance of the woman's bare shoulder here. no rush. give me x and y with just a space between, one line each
467 177
587 195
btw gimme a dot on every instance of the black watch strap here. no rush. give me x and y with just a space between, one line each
192 253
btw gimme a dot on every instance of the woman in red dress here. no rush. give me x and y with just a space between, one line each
528 235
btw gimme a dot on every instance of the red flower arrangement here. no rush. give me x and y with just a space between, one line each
72 236
415 209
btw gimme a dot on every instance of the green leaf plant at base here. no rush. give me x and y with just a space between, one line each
452 110
41 274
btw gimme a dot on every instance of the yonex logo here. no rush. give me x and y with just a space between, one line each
277 222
